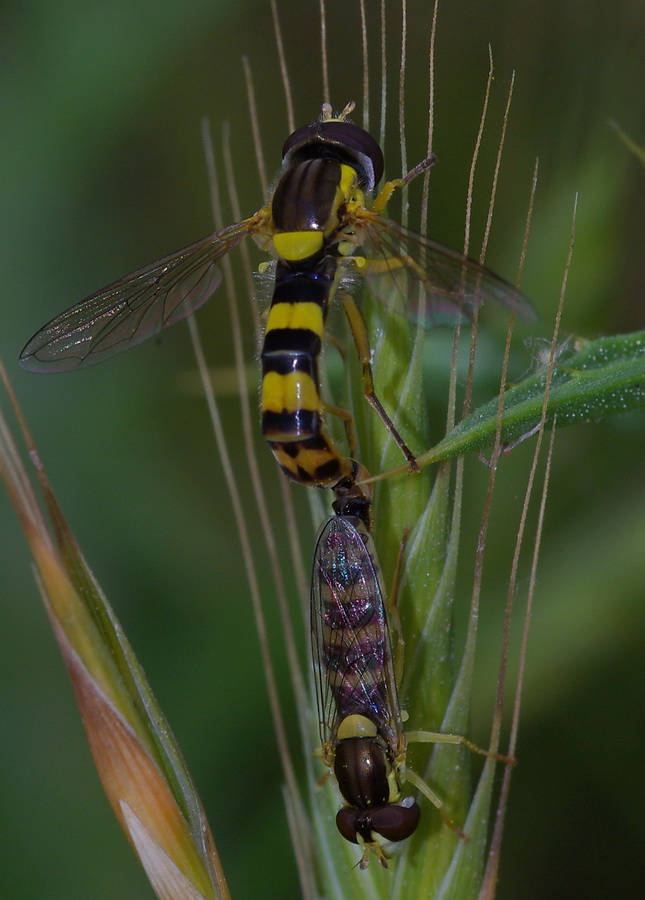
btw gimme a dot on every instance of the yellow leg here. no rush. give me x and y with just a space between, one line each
359 333
418 782
383 197
331 339
348 422
438 737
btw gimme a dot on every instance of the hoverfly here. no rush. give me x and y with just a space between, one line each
316 218
359 715
361 729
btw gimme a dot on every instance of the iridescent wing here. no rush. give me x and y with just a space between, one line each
448 284
350 636
134 308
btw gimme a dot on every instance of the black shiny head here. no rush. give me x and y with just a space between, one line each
352 499
392 822
340 140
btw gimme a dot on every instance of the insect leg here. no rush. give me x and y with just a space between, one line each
383 197
438 737
416 781
391 263
336 344
359 333
348 422
393 609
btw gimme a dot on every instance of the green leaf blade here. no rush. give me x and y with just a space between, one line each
603 378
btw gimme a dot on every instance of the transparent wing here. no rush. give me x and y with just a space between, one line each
351 645
134 308
451 285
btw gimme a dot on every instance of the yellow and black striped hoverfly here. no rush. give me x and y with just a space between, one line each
317 217
355 675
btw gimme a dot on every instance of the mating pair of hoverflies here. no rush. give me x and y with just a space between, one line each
324 234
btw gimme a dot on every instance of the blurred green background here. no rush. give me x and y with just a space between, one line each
102 170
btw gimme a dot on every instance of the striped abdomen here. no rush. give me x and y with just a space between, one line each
292 411
354 641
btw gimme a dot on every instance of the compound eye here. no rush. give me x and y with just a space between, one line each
337 139
360 143
394 822
346 823
299 137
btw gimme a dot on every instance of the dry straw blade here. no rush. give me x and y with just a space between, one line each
137 758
